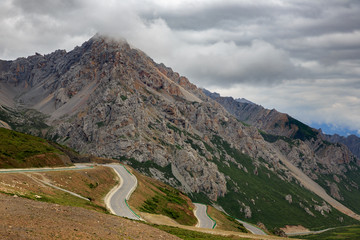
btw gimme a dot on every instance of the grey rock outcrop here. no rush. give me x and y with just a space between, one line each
108 99
352 142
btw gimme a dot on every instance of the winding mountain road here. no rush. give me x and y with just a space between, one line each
204 221
252 228
116 199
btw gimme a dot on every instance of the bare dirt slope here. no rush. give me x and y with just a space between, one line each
27 219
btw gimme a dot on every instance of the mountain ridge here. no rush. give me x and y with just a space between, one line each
110 100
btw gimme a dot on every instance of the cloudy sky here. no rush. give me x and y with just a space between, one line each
299 57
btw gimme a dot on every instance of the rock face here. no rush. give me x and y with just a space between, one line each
107 99
352 142
311 146
270 121
319 156
110 100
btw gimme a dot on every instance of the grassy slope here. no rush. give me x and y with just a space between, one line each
22 150
91 183
348 233
349 186
153 196
265 188
225 222
268 193
191 235
348 190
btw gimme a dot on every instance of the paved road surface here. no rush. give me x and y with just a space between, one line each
46 169
116 198
251 228
203 219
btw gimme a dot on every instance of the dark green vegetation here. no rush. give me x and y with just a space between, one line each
304 132
24 120
100 124
153 196
192 235
144 167
264 192
22 150
273 138
159 203
342 233
200 198
235 223
123 97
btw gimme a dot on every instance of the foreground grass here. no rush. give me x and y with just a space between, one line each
192 235
342 233
152 196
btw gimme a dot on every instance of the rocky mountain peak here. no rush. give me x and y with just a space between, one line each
100 43
108 99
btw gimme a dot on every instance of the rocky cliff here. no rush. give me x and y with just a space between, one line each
352 142
324 158
111 100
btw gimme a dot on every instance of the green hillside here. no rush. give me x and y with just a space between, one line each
19 150
264 193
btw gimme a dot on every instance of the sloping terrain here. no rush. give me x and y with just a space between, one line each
352 142
92 184
21 150
110 100
24 120
155 197
329 164
27 219
342 233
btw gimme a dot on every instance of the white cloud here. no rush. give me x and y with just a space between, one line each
297 56
333 102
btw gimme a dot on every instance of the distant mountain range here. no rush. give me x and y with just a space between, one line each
254 114
108 99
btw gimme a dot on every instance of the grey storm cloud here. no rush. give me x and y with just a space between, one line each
255 42
303 47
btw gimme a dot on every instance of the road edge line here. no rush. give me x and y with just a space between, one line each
210 217
112 191
131 192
